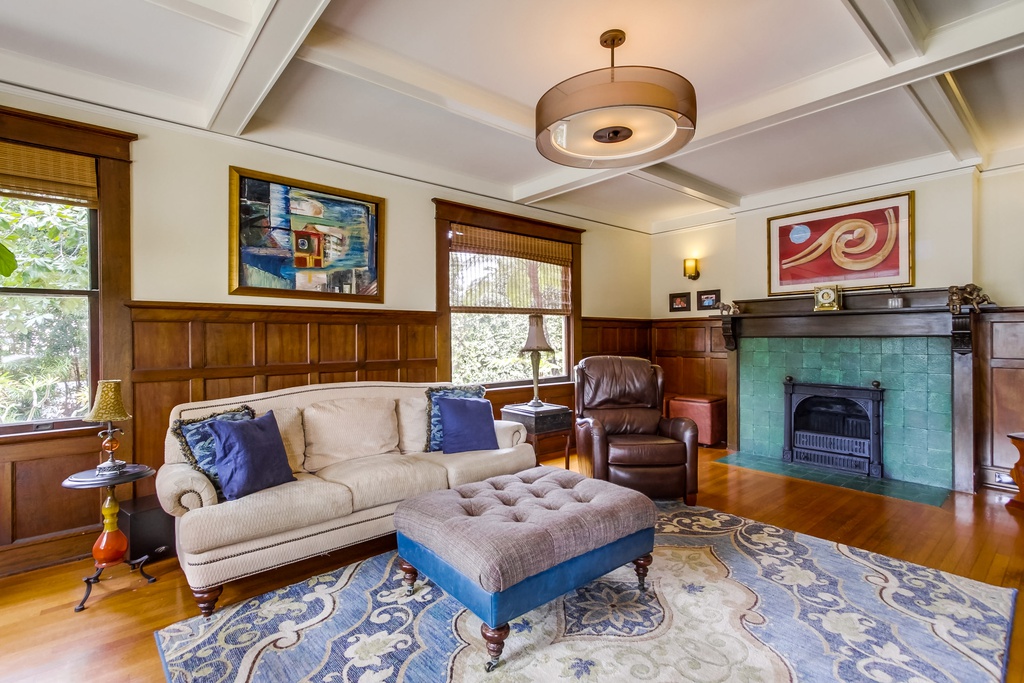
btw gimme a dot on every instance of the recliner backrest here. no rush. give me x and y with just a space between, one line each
623 392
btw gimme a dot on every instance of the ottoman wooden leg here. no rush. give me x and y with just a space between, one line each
495 638
641 564
410 576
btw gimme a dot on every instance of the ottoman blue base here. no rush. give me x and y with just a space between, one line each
495 609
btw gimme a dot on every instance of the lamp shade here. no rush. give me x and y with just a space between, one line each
620 116
108 406
535 339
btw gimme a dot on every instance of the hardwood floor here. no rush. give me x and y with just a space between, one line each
43 640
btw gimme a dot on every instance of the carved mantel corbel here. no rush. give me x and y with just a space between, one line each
962 301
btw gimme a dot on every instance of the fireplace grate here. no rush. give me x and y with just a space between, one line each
834 426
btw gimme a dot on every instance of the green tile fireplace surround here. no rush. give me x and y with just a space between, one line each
916 373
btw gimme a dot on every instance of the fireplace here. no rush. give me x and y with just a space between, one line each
834 426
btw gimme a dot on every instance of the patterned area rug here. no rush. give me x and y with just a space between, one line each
732 600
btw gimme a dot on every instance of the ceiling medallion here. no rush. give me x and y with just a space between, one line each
615 117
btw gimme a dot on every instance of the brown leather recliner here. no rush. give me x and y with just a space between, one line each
621 435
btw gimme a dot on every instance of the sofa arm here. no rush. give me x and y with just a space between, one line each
180 489
509 433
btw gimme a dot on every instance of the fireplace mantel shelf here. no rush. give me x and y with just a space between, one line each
925 313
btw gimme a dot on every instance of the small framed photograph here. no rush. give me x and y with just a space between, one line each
678 302
708 299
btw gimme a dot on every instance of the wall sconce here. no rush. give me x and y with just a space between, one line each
690 268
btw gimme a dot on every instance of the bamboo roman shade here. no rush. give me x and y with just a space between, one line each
492 271
47 175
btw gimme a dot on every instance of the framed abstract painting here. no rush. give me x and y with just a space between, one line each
295 239
862 245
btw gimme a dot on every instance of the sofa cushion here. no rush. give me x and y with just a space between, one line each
250 455
289 423
467 424
197 444
472 466
435 431
387 478
412 424
295 505
348 428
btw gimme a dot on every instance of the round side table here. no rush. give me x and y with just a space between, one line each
112 545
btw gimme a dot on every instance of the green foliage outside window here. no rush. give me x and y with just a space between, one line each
44 336
485 348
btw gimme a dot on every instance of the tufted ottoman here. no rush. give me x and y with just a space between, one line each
509 544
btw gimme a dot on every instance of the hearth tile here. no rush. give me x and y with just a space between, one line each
892 362
913 399
870 345
915 362
941 422
940 365
916 383
813 344
892 345
939 346
893 380
939 384
939 403
893 435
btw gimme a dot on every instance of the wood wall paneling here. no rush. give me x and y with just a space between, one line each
692 352
227 345
338 343
39 480
998 394
287 344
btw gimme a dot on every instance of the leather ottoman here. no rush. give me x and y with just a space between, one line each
509 544
707 410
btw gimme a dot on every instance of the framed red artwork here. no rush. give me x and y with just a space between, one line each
862 245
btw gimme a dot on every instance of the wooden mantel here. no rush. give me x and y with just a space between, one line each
925 313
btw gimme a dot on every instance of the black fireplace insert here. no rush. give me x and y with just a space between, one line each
834 426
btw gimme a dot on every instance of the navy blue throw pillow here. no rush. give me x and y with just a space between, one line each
467 424
250 456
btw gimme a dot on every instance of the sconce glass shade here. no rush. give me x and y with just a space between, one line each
108 406
615 117
535 339
690 268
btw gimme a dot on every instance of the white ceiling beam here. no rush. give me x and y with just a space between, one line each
977 39
233 16
346 54
890 27
942 104
273 41
678 181
57 79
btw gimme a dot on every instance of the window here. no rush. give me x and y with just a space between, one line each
48 303
501 269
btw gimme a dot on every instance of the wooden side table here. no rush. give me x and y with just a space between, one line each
1017 473
548 420
112 545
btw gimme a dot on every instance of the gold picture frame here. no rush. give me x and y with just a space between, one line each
859 245
289 238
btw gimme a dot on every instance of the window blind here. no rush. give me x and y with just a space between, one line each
501 272
47 175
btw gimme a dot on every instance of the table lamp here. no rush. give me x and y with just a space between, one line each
535 343
108 408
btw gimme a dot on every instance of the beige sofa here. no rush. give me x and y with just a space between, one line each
340 497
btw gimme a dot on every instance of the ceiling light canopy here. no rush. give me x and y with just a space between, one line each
620 116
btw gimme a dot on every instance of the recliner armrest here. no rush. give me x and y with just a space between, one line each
180 489
592 447
681 429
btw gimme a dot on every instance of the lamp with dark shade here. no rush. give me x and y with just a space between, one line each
108 407
535 343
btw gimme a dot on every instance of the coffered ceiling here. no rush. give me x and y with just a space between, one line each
796 98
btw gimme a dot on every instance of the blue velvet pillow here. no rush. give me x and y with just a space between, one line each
197 440
434 428
250 455
468 424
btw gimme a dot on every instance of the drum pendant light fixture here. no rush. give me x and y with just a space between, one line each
615 117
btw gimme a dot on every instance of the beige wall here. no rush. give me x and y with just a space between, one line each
180 219
947 228
967 228
998 265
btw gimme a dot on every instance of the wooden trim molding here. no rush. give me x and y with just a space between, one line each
41 523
